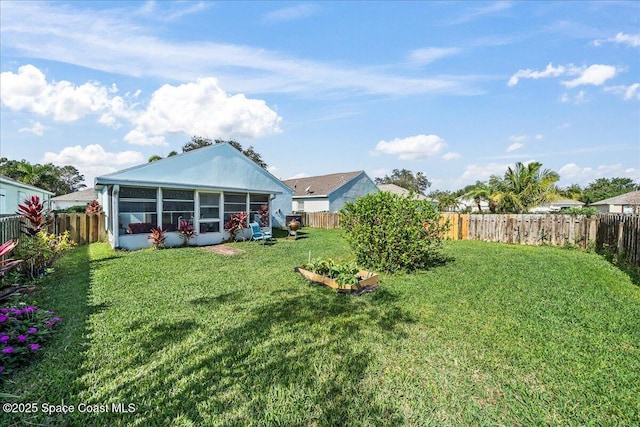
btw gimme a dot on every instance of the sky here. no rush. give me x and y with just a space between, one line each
456 90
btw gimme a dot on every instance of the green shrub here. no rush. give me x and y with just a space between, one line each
40 251
389 232
587 211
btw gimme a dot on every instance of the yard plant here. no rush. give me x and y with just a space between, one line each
497 335
389 232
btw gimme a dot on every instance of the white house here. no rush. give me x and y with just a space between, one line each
624 203
557 206
204 187
78 198
14 193
329 193
396 189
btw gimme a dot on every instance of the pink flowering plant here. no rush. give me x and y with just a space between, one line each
23 331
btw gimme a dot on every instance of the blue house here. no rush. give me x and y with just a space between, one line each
13 193
204 187
329 193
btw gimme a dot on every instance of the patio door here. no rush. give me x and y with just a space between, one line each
209 212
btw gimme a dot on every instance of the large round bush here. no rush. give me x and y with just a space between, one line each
389 232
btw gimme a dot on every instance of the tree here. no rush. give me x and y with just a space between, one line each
447 201
155 158
195 143
480 192
406 179
573 192
57 179
604 188
200 142
524 187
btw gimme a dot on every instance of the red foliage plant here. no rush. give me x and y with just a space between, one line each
33 211
7 264
157 237
235 224
93 208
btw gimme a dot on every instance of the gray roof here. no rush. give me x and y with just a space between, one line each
396 189
83 195
320 186
631 198
8 180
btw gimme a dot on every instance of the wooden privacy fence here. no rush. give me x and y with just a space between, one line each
321 219
620 234
9 228
83 228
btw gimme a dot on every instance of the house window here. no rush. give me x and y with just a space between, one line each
300 205
234 203
137 213
177 205
209 212
256 203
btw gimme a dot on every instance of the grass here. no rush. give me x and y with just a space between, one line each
499 335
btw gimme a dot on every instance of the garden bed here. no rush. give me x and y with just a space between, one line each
367 281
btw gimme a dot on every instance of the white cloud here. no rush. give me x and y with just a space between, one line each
627 92
595 74
518 138
65 102
583 175
515 146
579 98
36 128
484 171
299 175
632 40
538 137
431 54
549 71
451 155
202 108
413 147
274 170
486 9
93 160
291 13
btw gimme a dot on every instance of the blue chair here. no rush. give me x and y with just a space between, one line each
257 234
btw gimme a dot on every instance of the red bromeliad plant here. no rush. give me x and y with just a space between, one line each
235 224
33 211
157 237
263 213
187 231
93 208
7 264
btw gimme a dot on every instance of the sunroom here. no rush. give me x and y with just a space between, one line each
203 188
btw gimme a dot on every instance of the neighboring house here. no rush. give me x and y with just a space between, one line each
557 206
396 189
625 203
78 198
329 193
204 187
13 193
470 205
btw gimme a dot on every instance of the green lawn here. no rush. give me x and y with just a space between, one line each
499 335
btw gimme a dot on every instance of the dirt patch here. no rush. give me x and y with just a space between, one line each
223 250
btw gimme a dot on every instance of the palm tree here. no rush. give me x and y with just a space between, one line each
479 192
524 187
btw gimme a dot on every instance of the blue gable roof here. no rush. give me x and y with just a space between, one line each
219 167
